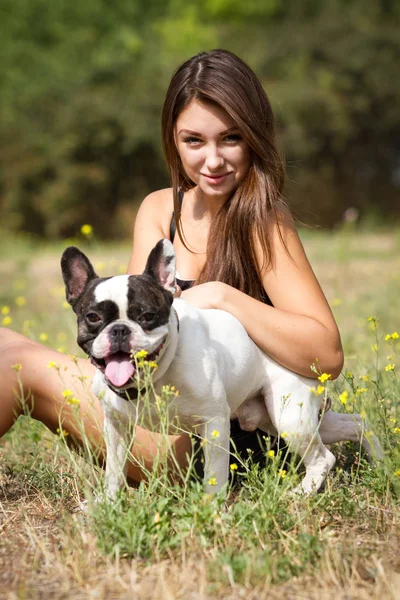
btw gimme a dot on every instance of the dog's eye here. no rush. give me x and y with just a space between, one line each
93 318
147 317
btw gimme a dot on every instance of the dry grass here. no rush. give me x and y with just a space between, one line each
47 550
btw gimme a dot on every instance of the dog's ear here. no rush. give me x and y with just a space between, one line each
77 271
161 265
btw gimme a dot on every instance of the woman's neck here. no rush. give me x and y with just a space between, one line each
203 206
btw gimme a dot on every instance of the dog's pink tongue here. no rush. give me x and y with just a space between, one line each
119 369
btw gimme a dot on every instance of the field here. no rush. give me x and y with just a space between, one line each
164 540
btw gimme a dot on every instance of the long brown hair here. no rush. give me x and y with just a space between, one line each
224 79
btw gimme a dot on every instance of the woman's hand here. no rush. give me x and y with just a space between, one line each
206 295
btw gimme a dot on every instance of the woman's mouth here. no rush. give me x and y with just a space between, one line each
215 179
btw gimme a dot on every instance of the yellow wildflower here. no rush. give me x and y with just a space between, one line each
17 367
284 435
392 336
215 434
374 347
397 473
271 453
324 377
343 397
233 467
317 391
396 430
393 420
141 354
365 378
212 481
43 337
6 321
361 390
5 310
363 414
67 394
20 301
390 367
282 473
53 365
86 230
62 432
152 364
73 401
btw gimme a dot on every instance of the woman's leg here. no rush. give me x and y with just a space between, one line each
38 386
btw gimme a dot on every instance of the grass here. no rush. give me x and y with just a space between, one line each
161 540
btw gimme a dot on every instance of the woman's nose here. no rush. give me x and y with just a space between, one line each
214 160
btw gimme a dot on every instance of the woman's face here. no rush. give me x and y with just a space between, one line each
213 153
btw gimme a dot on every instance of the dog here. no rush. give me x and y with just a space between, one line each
207 354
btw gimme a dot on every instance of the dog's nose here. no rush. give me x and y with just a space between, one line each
120 332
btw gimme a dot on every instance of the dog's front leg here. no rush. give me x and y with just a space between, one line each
215 434
117 436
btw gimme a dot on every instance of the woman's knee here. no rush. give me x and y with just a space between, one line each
8 336
13 347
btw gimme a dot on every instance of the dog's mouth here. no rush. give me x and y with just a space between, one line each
119 368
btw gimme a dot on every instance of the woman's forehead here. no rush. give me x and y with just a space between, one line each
207 116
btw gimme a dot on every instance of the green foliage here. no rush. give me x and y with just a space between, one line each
82 93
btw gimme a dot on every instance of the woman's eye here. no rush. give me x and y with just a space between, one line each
192 140
234 138
93 318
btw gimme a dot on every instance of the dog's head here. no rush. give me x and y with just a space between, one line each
118 316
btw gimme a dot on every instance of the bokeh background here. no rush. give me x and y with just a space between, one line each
82 86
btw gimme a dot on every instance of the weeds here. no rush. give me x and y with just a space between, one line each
168 539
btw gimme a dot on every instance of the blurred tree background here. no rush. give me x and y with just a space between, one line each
82 86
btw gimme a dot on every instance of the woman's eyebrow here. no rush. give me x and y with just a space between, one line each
234 128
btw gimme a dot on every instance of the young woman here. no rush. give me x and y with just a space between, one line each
236 245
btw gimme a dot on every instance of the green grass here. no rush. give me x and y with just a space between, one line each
169 540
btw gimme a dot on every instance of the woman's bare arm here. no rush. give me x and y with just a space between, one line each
299 330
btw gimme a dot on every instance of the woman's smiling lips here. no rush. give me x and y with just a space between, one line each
214 179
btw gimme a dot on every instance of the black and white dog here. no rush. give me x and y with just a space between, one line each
219 371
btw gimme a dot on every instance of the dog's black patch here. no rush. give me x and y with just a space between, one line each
148 303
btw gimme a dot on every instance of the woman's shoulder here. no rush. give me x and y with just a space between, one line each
162 199
157 207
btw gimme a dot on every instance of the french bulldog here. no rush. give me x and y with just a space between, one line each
219 371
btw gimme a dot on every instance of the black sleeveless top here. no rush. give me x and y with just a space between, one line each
246 444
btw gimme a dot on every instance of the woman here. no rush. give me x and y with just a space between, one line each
233 235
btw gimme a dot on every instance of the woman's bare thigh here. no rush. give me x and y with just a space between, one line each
55 389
